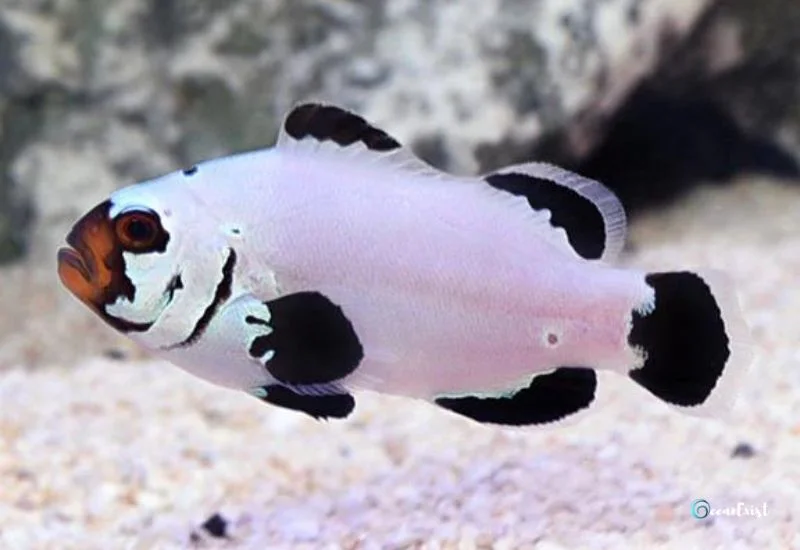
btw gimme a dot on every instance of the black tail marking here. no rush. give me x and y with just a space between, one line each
684 339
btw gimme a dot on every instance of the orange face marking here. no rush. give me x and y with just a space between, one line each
85 268
93 269
74 275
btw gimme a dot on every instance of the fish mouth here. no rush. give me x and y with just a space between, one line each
71 262
82 266
78 256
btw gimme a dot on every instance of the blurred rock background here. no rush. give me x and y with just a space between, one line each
651 96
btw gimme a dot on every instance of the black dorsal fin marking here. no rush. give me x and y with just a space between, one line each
589 213
311 341
549 398
576 215
320 407
328 122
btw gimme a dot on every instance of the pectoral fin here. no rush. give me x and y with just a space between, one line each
319 406
305 339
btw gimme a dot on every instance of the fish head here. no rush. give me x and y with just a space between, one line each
130 256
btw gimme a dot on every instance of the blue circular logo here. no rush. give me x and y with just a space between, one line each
700 508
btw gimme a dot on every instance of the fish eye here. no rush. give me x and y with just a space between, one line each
138 231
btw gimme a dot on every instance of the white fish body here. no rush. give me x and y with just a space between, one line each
337 261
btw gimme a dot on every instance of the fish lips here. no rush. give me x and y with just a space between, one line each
80 266
69 261
78 257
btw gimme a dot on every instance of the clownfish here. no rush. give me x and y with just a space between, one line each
337 261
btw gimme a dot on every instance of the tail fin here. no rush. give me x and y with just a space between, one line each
695 342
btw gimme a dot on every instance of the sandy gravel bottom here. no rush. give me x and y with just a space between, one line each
137 454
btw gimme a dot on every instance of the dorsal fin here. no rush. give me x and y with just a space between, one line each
322 127
319 128
328 122
589 212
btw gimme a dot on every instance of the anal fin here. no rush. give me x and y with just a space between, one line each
548 398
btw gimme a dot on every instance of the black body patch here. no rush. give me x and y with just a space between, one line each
221 295
312 340
684 338
548 398
577 215
338 405
327 122
175 284
253 320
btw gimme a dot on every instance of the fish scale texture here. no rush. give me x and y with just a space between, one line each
137 454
